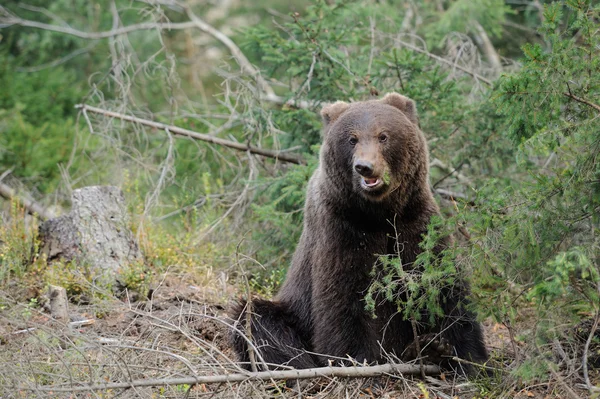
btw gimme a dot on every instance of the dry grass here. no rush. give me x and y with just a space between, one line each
181 332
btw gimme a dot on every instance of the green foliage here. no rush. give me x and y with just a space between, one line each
416 288
534 237
41 97
462 15
35 152
552 120
528 230
277 215
17 244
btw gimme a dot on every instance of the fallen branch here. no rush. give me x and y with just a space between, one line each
341 372
279 155
586 348
72 324
31 206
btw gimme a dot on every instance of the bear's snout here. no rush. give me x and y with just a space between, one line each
363 168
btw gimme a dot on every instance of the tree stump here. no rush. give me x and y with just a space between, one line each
96 233
59 308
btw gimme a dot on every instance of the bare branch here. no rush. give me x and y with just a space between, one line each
444 61
452 195
8 19
488 48
450 171
340 372
583 101
31 206
233 48
278 155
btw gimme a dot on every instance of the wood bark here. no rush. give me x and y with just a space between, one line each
59 308
95 234
328 372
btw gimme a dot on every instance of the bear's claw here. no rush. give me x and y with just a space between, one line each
434 349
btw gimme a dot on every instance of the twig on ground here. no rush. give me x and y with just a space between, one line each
479 365
340 372
248 309
561 381
586 348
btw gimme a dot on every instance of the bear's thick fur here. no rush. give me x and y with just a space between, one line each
370 196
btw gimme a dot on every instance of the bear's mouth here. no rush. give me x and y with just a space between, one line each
370 183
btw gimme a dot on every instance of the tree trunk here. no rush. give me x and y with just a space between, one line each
95 234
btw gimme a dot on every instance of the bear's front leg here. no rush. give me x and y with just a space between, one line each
343 329
461 328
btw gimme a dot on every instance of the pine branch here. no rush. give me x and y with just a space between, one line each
583 101
341 372
278 155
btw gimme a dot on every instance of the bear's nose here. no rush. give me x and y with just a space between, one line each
364 168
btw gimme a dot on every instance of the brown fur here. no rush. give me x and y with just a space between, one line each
369 196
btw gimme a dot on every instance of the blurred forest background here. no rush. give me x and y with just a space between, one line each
508 93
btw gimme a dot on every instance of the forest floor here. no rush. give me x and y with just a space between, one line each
182 332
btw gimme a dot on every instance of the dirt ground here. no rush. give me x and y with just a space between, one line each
182 331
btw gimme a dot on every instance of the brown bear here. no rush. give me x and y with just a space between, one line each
370 196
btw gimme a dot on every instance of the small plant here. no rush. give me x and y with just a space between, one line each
27 311
18 242
135 277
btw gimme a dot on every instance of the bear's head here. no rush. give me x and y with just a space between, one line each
375 147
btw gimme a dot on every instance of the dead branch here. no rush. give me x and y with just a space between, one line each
9 19
340 372
487 47
450 171
586 349
233 49
31 206
444 61
583 101
278 155
452 195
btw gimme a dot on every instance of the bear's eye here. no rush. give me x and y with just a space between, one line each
353 140
383 138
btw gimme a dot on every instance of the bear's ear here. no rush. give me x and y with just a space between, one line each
331 112
404 104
